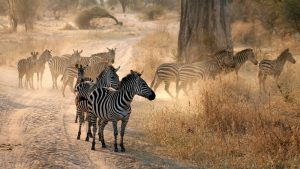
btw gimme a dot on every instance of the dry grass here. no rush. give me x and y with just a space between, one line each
229 125
154 49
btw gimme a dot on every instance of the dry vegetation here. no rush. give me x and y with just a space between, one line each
153 49
228 125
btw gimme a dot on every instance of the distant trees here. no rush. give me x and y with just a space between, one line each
204 28
22 11
124 4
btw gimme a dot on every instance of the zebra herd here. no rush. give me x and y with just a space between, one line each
103 97
222 62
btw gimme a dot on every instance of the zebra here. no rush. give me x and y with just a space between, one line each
40 66
112 106
273 67
103 57
57 65
240 59
71 72
167 73
107 78
189 73
25 67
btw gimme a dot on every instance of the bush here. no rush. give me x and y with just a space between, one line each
226 125
83 18
292 12
152 50
154 12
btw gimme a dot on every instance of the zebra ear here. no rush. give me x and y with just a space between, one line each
31 53
108 49
76 65
80 51
117 69
287 49
73 50
131 71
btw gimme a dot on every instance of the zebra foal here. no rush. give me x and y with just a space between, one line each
273 67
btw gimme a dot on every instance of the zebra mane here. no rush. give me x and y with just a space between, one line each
222 51
242 51
104 71
283 54
129 77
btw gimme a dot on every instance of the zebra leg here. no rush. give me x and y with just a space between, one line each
89 132
115 125
264 83
63 88
123 126
41 80
80 123
167 86
38 79
93 121
102 124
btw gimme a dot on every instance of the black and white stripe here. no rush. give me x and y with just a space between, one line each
240 59
113 106
107 78
103 57
273 67
167 73
190 73
40 66
26 67
91 71
57 65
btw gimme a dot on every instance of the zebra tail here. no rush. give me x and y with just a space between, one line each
154 80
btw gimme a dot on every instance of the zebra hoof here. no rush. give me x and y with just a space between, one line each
116 148
90 135
103 145
122 148
93 148
78 137
87 138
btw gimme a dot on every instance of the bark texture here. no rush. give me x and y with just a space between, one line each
204 29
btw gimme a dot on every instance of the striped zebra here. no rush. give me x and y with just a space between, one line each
112 106
57 65
189 73
40 66
70 73
25 67
103 57
107 78
167 73
240 59
273 67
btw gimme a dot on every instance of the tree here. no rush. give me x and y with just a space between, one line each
204 29
124 4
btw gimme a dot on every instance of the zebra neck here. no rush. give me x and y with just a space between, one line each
127 94
240 59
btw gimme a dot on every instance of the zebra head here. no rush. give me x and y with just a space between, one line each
288 55
109 77
81 70
140 87
34 56
46 55
251 56
111 54
75 57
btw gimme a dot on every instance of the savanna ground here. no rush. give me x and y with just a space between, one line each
221 124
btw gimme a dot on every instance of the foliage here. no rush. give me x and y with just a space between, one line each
153 12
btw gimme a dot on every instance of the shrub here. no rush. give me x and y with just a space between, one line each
83 18
154 12
152 50
226 125
292 12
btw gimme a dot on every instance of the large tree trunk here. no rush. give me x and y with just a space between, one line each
204 29
124 5
13 15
